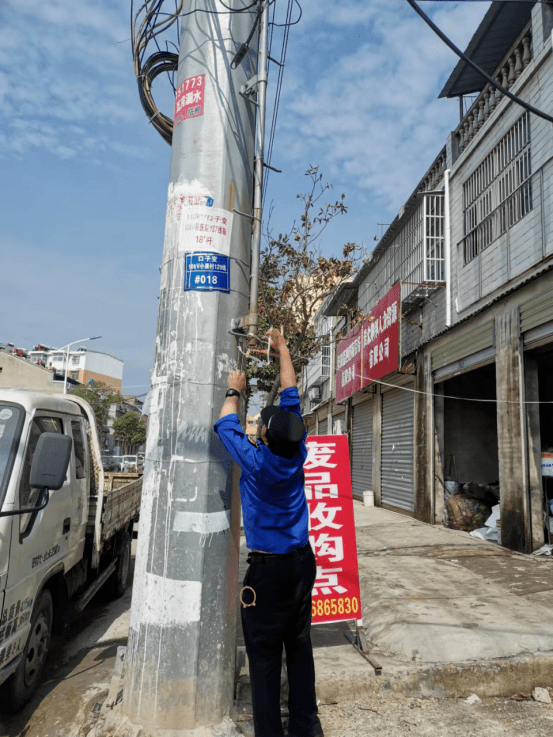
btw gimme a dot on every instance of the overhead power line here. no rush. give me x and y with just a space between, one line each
475 66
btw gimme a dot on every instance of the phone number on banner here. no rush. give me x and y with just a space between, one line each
343 605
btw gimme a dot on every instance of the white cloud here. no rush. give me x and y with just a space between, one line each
369 111
74 79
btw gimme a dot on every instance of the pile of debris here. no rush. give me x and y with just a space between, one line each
473 508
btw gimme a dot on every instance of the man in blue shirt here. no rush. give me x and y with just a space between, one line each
282 567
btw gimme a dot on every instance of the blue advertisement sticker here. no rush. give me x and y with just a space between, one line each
206 271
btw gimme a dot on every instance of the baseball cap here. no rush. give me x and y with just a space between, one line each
283 428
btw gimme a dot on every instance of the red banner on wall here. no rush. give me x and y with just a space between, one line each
381 332
348 364
336 595
370 350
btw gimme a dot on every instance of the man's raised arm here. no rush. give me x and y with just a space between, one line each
287 373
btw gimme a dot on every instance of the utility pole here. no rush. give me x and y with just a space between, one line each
179 671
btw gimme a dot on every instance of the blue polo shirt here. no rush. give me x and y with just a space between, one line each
272 490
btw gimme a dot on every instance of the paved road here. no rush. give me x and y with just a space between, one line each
78 671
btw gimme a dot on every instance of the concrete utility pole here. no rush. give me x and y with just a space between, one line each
180 659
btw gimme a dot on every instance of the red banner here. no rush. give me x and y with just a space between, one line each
348 364
336 595
189 99
381 331
370 350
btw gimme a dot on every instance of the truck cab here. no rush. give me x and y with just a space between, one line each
33 546
49 551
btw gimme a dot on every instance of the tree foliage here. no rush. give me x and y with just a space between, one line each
100 396
130 429
295 277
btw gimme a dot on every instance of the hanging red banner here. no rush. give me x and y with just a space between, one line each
381 336
348 364
336 595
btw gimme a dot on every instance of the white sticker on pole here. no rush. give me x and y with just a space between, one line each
205 229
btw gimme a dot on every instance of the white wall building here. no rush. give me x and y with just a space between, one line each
84 364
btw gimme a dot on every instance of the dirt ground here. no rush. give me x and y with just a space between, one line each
437 718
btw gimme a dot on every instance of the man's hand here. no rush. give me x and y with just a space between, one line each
237 380
277 339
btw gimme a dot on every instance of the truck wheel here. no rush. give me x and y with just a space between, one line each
20 687
120 578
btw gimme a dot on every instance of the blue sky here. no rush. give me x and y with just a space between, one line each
84 177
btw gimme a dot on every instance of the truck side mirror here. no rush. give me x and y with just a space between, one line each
50 461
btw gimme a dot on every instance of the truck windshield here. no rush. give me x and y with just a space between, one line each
11 417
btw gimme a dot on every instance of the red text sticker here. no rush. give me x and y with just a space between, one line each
189 99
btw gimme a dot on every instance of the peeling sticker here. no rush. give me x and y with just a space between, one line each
166 601
203 523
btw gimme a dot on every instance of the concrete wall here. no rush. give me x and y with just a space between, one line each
18 373
470 428
85 376
102 363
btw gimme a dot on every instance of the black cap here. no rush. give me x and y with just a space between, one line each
283 427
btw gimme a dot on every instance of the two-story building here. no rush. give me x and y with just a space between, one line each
81 364
451 370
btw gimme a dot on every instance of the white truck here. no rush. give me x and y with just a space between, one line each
65 528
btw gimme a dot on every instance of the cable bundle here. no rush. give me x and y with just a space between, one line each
146 25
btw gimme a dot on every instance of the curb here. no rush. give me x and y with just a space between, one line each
493 678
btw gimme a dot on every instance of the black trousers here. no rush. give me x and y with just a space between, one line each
282 616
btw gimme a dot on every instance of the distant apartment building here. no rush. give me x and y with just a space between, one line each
83 364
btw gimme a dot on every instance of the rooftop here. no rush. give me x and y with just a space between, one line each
499 29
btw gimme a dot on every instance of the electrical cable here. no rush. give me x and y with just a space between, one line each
147 24
475 66
272 132
295 22
445 396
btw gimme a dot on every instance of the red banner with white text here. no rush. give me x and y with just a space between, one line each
381 335
348 364
336 595
371 349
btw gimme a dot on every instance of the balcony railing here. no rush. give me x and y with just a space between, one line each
509 70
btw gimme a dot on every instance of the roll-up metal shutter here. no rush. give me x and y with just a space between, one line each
362 449
463 342
397 488
536 311
323 426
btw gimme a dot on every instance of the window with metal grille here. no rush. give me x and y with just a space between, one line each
325 357
499 192
417 255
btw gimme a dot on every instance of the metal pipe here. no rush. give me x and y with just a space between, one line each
258 168
447 249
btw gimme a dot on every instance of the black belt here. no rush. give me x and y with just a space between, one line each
258 557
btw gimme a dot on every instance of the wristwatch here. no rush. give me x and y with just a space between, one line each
232 393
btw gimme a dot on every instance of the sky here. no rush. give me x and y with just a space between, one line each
84 176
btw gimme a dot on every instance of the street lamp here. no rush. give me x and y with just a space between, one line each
66 356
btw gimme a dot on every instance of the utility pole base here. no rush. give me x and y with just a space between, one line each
118 724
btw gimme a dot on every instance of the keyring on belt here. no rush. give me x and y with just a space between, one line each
244 605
